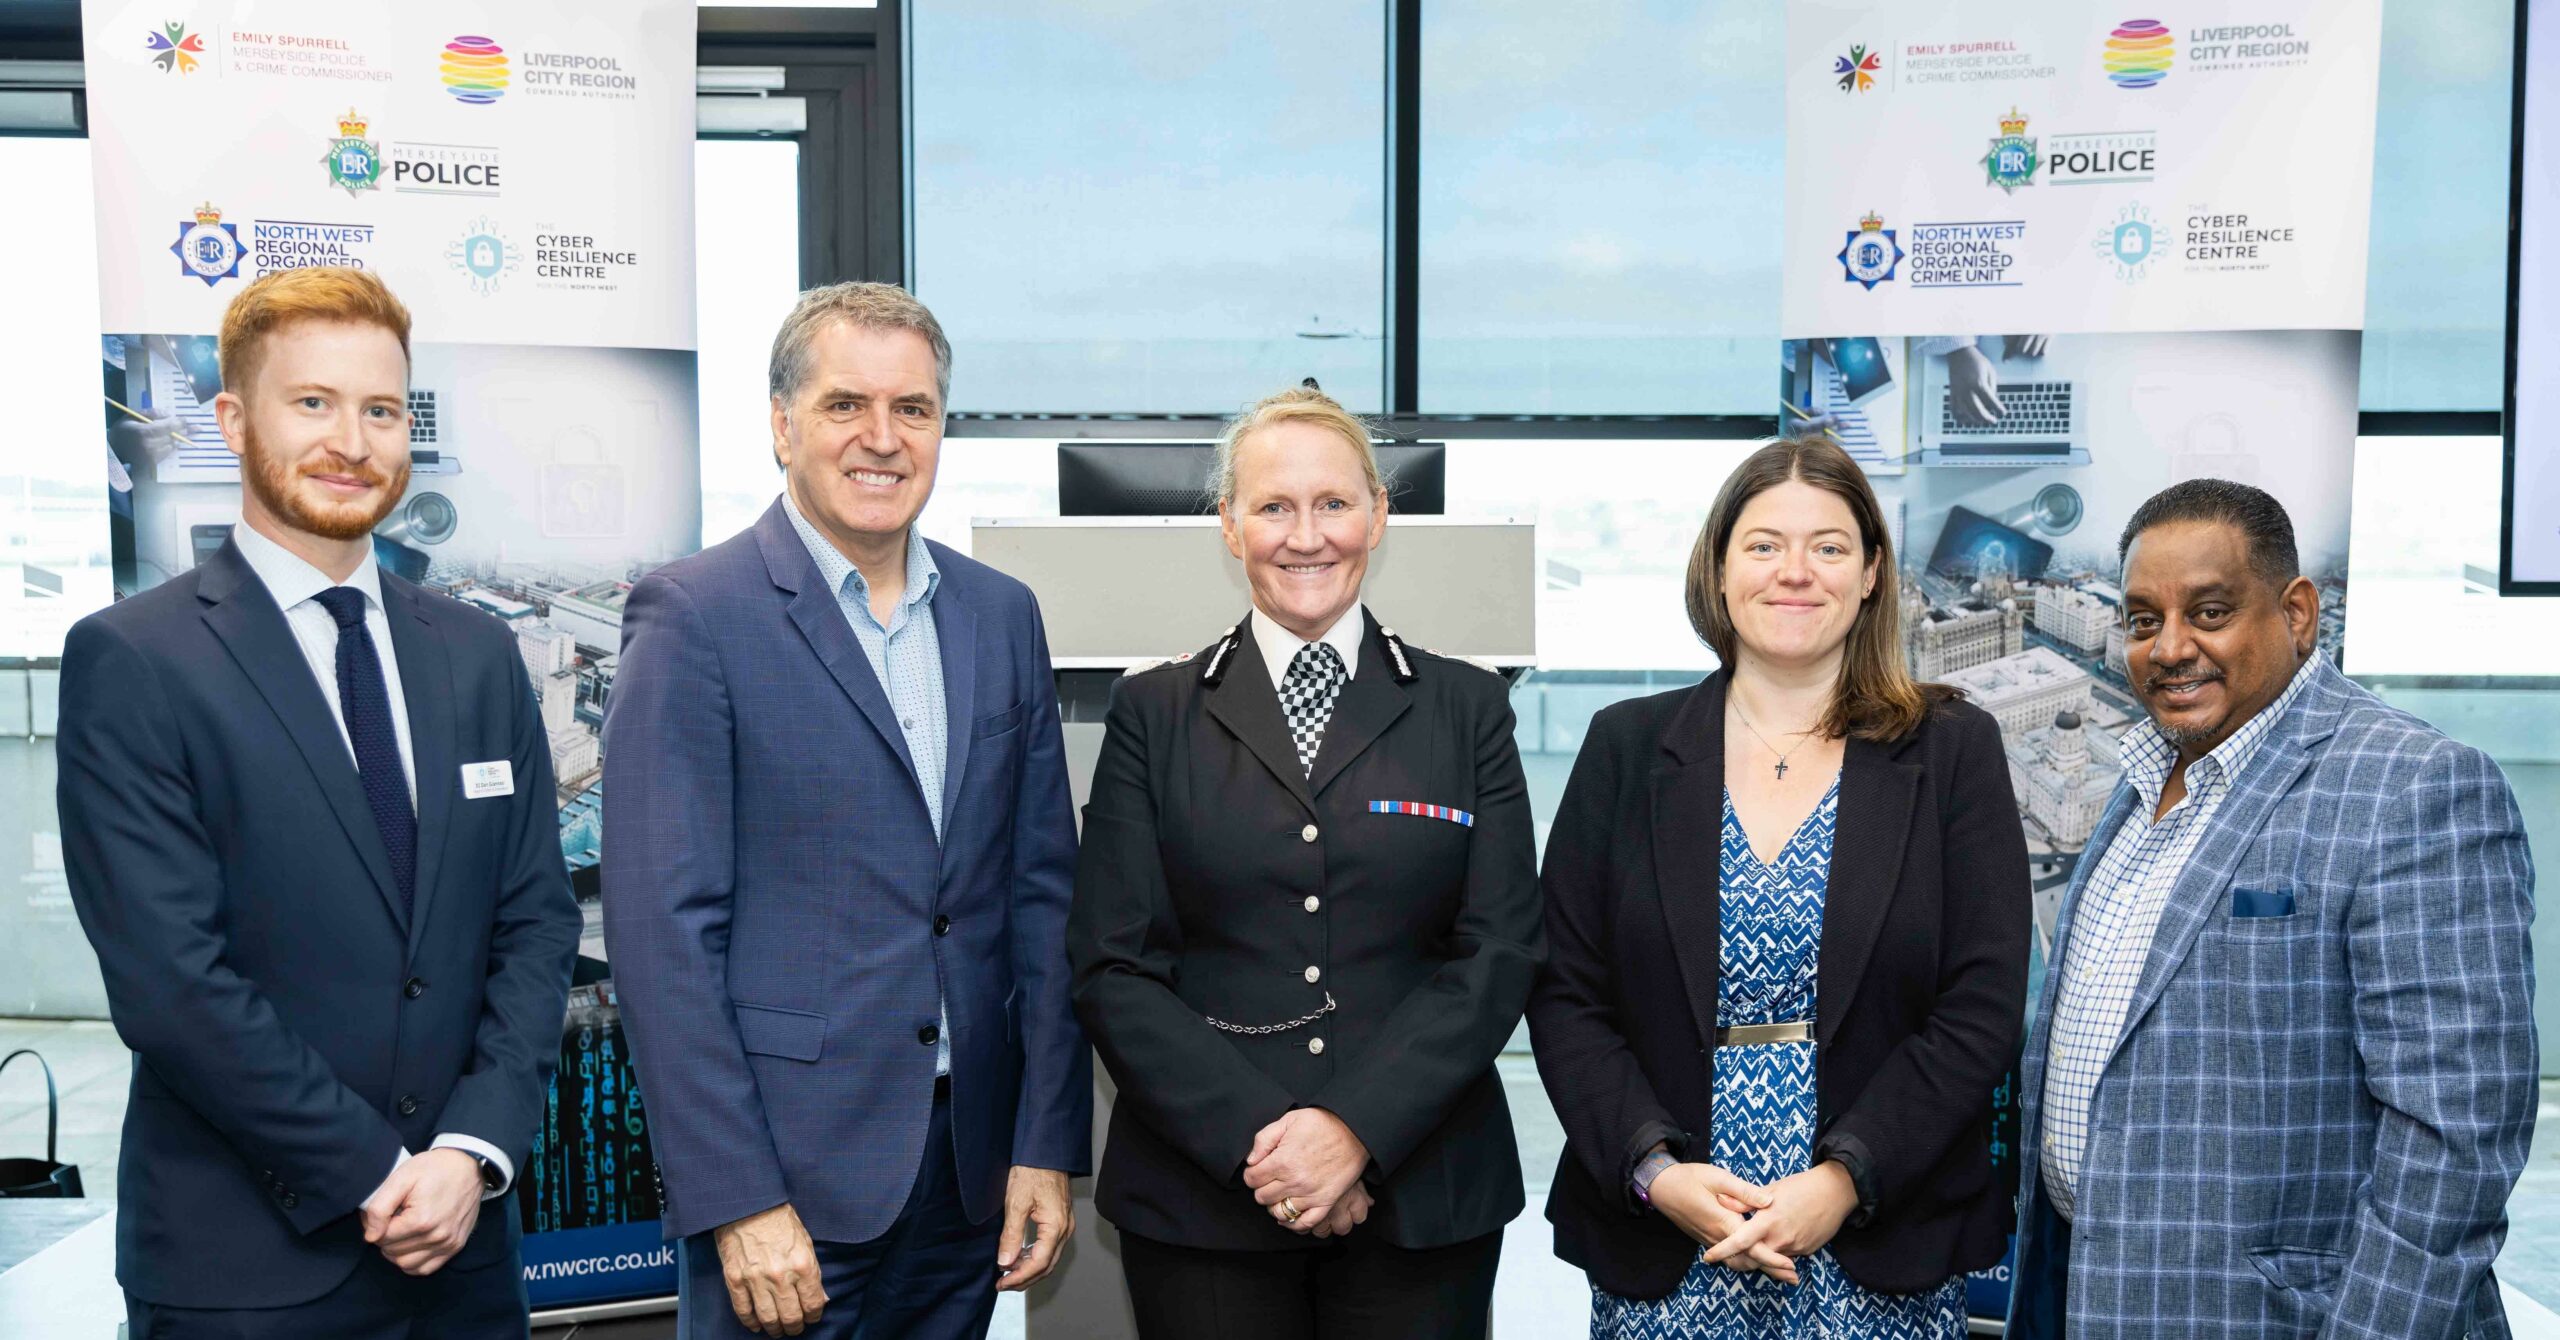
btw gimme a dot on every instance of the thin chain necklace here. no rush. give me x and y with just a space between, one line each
1739 715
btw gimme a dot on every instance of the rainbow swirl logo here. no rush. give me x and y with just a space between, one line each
475 70
2139 52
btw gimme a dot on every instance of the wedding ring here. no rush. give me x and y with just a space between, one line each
1289 1209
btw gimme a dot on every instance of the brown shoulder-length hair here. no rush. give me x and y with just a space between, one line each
1876 698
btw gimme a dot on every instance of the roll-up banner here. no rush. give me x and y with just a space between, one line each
521 174
2041 262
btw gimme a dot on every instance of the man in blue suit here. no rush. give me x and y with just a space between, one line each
308 820
2282 1078
838 858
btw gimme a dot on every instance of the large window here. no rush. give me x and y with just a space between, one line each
746 226
1151 207
1600 207
53 461
2435 299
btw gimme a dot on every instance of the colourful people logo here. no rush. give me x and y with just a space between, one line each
174 48
1857 70
474 70
2139 53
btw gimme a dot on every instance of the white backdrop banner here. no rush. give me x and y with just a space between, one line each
2072 168
520 172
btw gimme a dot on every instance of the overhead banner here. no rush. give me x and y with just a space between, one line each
2040 263
521 175
1982 165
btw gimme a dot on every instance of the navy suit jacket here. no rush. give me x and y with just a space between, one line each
782 922
292 1031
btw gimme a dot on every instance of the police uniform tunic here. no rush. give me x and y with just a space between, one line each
1252 934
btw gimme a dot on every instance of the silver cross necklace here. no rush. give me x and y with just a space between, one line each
1764 740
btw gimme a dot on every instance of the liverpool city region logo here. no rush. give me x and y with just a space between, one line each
1870 254
354 162
2012 161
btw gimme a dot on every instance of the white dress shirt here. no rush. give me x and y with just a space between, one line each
1279 646
296 586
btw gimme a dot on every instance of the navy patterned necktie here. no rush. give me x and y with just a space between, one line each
1306 698
366 705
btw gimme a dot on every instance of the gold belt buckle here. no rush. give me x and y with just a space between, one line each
1761 1035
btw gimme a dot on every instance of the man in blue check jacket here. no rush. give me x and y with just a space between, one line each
838 858
2282 1077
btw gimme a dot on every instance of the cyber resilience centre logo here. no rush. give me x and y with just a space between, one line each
474 70
1871 253
1857 70
2139 53
2129 243
174 49
484 254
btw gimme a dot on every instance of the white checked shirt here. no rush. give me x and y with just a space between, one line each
2115 917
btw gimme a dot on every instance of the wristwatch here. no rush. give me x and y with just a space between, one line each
1651 1168
491 1178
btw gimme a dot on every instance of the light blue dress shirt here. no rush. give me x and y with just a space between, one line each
906 656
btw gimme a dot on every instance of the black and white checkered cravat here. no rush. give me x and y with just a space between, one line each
1306 698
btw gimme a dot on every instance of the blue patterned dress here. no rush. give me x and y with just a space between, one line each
1763 1123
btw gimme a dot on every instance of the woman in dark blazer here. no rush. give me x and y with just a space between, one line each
1306 920
1787 911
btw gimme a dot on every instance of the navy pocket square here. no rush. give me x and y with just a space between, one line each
2261 903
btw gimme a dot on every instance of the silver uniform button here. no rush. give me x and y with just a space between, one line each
1307 834
1313 902
1314 974
1315 1046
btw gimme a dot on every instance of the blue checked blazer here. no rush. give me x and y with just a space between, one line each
781 921
2311 1123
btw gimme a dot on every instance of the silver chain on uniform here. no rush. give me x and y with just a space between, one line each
1299 1022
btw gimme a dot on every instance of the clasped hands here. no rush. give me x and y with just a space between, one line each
1305 1169
1748 1227
425 1210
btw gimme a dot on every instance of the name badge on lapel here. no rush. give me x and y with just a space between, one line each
497 777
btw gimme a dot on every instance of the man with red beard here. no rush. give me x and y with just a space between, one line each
308 820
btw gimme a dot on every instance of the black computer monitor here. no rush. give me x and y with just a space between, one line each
1172 478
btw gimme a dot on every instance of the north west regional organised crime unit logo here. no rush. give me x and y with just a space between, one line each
207 248
354 162
2139 53
174 49
474 70
2012 161
1871 253
1857 70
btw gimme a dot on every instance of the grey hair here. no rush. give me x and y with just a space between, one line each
868 306
1298 404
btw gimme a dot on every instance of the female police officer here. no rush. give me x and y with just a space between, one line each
1306 921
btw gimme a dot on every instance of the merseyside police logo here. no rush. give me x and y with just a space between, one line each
1871 253
354 162
208 248
2129 243
2012 161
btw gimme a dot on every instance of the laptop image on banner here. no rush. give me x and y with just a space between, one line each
2044 412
